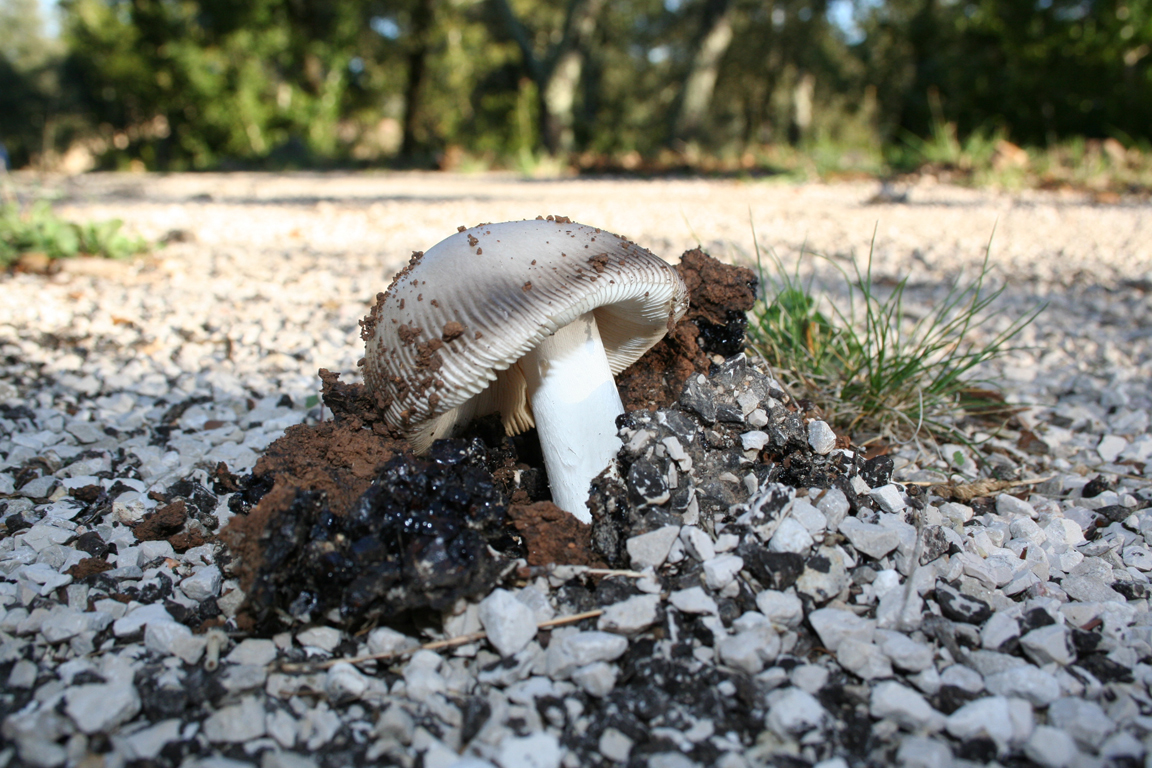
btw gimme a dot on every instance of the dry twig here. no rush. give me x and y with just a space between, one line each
953 491
437 645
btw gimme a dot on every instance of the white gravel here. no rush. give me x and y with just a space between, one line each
1017 630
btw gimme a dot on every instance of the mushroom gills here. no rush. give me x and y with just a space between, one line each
504 395
575 404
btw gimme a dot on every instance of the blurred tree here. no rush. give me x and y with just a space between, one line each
215 83
1066 67
710 43
1041 69
629 79
420 47
30 93
181 84
786 66
22 40
554 59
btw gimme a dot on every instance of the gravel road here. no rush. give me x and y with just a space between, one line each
1037 234
123 385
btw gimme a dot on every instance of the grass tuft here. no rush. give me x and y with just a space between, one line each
873 370
38 230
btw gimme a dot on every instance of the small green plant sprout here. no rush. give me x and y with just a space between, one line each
874 371
38 230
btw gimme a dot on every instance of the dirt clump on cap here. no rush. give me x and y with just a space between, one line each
720 296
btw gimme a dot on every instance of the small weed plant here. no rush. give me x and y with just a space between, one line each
38 229
873 370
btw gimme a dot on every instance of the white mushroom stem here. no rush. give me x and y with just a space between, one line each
575 405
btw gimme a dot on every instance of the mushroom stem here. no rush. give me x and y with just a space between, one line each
575 405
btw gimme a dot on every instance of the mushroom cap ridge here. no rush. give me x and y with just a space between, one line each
443 341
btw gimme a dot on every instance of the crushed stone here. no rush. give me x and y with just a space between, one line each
777 600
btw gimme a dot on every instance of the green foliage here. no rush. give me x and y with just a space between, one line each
192 84
864 361
942 148
185 84
39 230
1104 166
31 97
1041 71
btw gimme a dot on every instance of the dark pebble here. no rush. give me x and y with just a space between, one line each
1034 619
775 570
87 677
91 543
1115 513
979 750
16 523
877 471
615 589
1133 590
729 414
1096 486
934 543
648 482
698 398
475 712
950 698
960 607
1084 642
1105 669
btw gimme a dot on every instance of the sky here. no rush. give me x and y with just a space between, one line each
51 18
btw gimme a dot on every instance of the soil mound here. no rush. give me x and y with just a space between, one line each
340 522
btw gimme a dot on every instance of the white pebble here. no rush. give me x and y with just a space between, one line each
649 550
791 536
754 440
821 437
509 623
693 600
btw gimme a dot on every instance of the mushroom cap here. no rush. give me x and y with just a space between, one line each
443 341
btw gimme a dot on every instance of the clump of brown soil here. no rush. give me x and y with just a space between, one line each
89 566
551 535
333 462
168 524
718 293
720 297
339 457
182 542
164 522
420 536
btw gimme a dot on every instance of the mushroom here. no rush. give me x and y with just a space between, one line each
530 319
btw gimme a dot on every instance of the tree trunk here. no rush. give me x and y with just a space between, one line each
802 94
695 98
422 16
557 73
923 38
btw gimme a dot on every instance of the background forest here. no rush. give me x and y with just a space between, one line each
847 85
